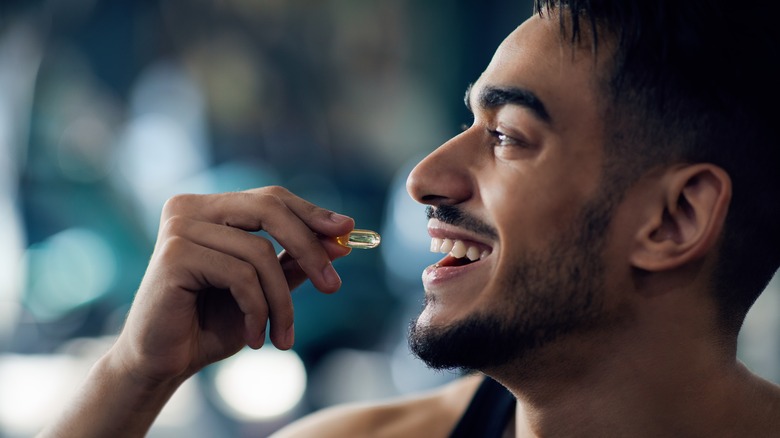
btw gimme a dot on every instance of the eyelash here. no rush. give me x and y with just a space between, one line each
499 137
502 140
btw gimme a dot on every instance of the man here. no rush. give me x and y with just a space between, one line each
616 197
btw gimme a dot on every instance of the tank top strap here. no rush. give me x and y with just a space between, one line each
488 413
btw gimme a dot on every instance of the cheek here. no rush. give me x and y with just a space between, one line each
530 213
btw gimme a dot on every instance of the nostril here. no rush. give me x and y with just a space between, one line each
444 176
433 199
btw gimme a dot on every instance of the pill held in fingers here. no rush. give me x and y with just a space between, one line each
360 239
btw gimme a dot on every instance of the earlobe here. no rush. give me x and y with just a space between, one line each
686 222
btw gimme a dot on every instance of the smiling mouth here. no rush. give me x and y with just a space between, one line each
460 253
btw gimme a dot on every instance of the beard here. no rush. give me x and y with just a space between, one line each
550 295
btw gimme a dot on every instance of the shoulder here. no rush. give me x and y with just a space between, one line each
749 406
408 416
763 409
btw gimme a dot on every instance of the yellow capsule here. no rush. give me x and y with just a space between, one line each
360 239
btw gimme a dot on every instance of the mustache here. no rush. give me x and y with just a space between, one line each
455 216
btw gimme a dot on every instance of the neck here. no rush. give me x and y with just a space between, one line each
643 380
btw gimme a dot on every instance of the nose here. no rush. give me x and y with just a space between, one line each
443 177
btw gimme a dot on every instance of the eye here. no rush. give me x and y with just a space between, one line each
502 140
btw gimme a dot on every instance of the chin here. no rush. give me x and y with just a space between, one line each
504 336
468 344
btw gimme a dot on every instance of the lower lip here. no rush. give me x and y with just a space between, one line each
436 275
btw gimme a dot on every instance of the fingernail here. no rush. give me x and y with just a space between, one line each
289 337
254 333
261 339
338 218
330 275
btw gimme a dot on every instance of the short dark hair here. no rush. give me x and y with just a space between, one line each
696 81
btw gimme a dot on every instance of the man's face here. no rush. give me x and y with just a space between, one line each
521 189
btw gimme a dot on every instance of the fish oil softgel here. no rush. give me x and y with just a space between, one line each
360 239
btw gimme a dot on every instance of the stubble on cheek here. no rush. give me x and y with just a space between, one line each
543 296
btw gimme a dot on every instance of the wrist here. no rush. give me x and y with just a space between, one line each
113 401
114 366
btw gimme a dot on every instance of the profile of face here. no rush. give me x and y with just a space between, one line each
522 189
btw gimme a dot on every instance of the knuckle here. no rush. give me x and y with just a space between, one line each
173 249
177 204
176 225
265 245
277 191
246 273
271 201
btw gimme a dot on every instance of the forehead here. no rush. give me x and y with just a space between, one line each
537 57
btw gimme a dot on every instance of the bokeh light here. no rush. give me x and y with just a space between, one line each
260 384
34 390
68 270
110 108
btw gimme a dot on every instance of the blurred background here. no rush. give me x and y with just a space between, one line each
108 108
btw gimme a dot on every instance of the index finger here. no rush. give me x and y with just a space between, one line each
292 221
299 234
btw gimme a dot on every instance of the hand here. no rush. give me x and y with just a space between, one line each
212 286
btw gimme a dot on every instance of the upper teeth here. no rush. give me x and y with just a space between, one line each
457 248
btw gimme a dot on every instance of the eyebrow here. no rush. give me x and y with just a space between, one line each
491 97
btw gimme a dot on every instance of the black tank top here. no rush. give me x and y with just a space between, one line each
488 413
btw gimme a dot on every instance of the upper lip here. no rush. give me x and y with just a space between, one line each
441 230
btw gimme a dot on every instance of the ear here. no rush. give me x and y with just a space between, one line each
686 221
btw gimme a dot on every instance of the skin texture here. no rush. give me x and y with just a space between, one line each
650 360
210 289
656 331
